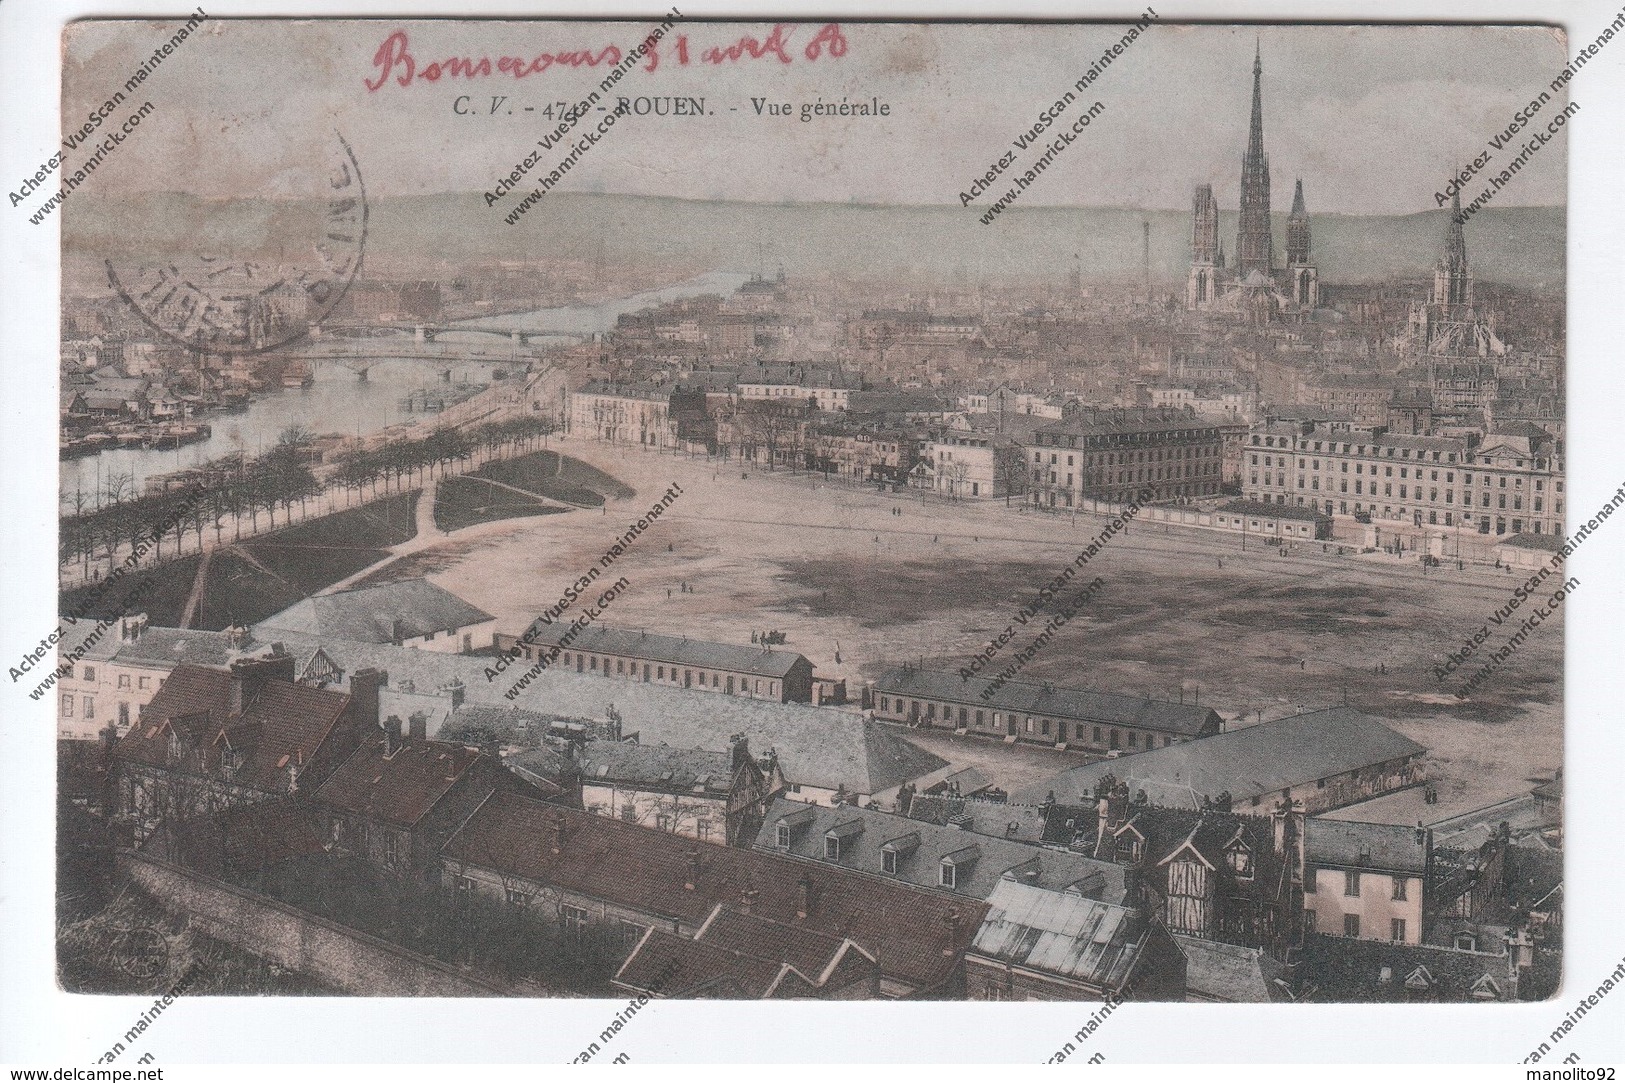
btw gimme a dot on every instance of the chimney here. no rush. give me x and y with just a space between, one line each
803 897
739 746
417 726
364 688
392 735
558 833
747 899
456 689
951 948
237 637
693 870
397 632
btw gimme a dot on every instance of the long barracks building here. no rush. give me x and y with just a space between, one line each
677 661
1038 712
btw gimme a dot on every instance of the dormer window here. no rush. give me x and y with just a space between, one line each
888 861
949 875
1240 857
832 848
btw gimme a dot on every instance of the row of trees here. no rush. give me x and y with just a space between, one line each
97 526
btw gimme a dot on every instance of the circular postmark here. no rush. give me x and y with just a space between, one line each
220 304
141 952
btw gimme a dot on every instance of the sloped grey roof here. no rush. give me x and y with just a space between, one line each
660 766
681 650
1060 932
817 746
1346 844
1247 763
175 646
1080 704
862 851
370 614
1226 972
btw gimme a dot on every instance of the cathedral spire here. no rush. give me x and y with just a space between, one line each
1452 283
1254 246
1255 133
1297 230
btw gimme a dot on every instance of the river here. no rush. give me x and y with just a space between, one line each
339 402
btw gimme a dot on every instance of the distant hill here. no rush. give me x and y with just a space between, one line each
1522 246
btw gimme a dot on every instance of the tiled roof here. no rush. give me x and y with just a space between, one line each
646 870
1018 823
396 789
1246 763
1228 972
816 746
1125 421
762 661
657 766
735 954
413 607
1051 701
1060 932
865 834
280 724
667 965
1337 969
175 646
1351 845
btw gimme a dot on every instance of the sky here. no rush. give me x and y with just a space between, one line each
1372 119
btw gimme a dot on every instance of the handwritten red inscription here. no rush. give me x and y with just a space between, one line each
394 59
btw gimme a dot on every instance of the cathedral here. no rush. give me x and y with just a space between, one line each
1447 326
1255 287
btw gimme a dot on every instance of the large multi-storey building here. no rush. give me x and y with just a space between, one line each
1505 483
623 413
1122 454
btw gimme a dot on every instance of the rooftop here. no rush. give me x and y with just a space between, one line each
920 848
1183 719
916 935
681 650
387 613
694 770
816 746
1246 763
1350 845
1060 932
396 788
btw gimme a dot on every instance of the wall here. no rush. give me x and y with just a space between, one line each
1375 904
350 960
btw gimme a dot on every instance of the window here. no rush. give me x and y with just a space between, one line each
1351 924
67 705
90 671
782 838
464 885
1399 890
888 861
1351 884
947 874
124 679
632 932
574 919
517 899
1396 930
90 707
660 671
832 848
146 682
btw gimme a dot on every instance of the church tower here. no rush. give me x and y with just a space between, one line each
1201 288
1452 283
1305 282
1254 247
